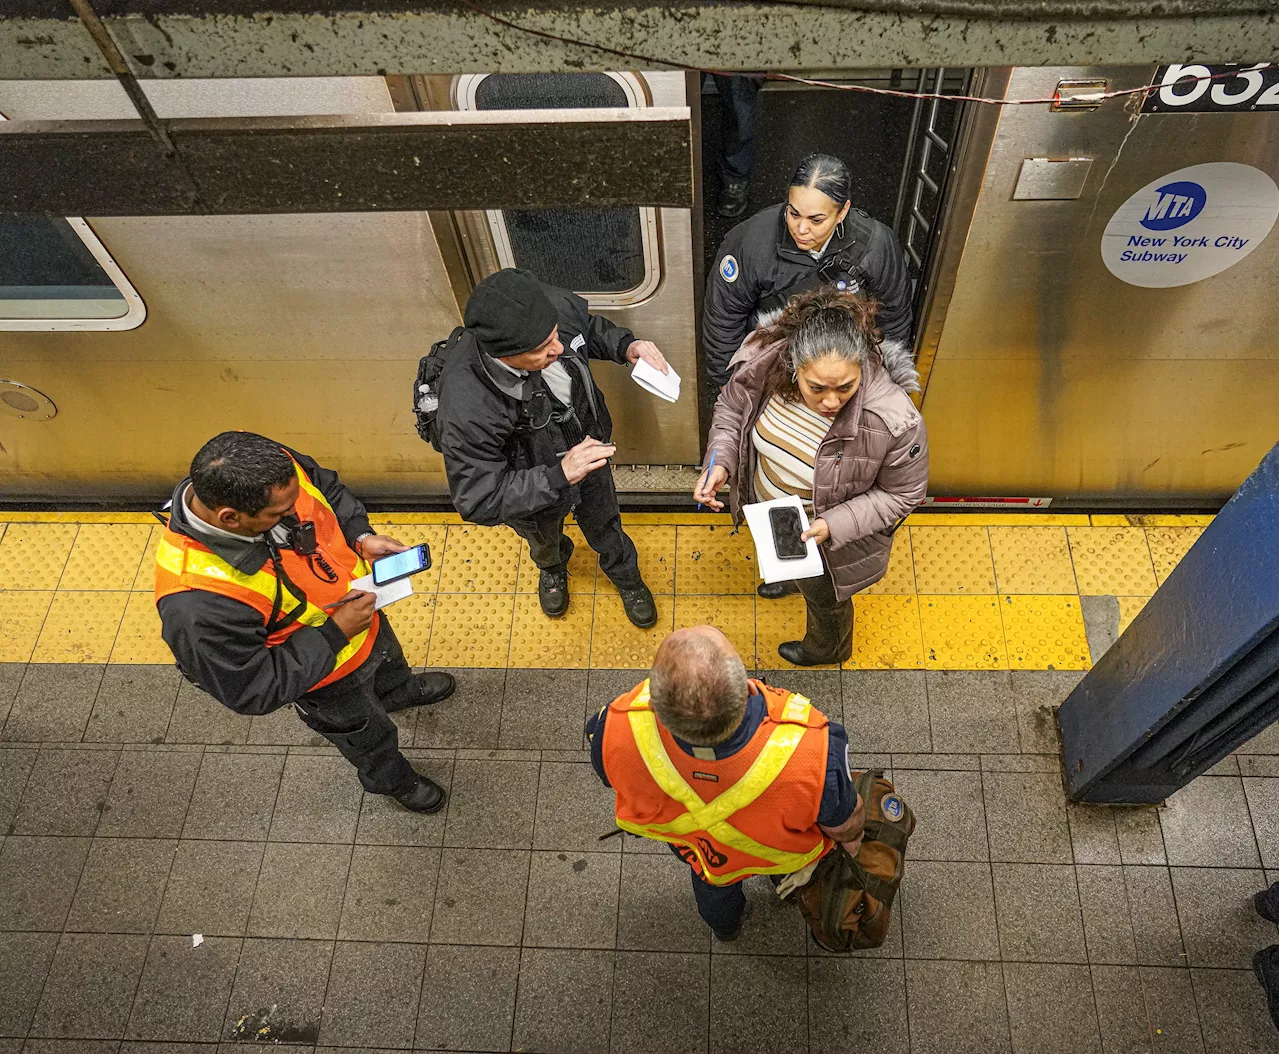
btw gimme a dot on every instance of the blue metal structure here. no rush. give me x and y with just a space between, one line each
1194 676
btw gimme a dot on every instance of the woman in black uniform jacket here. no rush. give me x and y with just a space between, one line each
815 237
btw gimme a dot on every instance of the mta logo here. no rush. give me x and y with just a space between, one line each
1176 204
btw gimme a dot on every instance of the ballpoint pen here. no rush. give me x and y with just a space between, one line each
710 467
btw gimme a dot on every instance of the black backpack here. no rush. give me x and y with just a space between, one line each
426 388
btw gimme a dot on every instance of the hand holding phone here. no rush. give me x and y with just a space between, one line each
401 565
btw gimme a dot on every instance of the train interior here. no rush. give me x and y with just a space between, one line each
178 877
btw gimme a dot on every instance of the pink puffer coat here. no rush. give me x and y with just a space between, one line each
872 467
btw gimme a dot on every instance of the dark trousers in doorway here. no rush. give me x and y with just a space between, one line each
739 108
351 714
601 522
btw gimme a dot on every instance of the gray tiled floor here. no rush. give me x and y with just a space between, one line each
136 812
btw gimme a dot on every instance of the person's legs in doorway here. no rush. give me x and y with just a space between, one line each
601 522
550 549
739 109
828 633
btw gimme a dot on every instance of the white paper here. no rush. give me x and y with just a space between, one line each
772 568
197 939
388 594
663 385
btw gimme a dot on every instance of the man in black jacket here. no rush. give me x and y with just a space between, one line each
525 430
256 606
759 267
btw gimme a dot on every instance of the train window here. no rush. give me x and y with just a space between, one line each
55 274
609 255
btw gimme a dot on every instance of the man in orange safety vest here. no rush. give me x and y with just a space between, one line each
737 777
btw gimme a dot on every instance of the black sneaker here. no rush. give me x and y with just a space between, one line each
553 592
733 198
1266 968
1265 903
423 690
424 796
639 606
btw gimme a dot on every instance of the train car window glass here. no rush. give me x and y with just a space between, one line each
55 274
609 255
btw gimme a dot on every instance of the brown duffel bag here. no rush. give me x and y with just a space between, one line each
847 902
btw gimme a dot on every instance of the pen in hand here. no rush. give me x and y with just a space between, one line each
353 595
710 468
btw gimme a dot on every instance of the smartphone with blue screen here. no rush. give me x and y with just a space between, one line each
401 565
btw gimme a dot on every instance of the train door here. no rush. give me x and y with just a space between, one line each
632 264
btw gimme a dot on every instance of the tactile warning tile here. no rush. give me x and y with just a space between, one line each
32 555
1168 546
539 642
617 644
886 633
471 629
582 566
1111 560
734 616
900 578
412 619
139 639
1129 608
715 560
146 576
952 560
105 556
81 626
778 621
415 534
1044 633
480 560
656 548
962 633
22 614
1032 560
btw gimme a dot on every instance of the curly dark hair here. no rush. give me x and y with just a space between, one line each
815 324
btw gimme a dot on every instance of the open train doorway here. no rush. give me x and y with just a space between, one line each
899 149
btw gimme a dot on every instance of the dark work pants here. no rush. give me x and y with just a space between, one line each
351 714
601 523
739 108
721 907
828 626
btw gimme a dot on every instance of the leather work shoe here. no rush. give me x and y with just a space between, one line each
639 606
733 198
776 590
794 652
425 795
427 688
1265 903
1266 968
553 592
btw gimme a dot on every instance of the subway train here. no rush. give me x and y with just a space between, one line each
1095 286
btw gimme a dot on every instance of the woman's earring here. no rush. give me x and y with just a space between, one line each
840 230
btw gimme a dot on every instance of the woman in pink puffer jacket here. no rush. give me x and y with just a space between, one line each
813 409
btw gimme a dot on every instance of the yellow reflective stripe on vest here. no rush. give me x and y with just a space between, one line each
712 816
304 481
209 565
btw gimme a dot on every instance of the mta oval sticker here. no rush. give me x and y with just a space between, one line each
729 269
891 806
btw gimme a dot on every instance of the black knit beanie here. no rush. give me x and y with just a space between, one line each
509 314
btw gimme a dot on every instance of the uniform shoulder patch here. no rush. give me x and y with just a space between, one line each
578 343
891 806
729 269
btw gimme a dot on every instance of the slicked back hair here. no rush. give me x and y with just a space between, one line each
239 470
696 691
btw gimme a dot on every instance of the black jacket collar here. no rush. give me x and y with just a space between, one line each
247 556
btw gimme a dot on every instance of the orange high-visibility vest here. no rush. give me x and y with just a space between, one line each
183 563
754 813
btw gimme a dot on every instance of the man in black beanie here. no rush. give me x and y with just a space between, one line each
525 430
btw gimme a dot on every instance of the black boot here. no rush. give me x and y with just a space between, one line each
1266 967
553 592
733 198
797 654
425 689
638 603
828 640
423 795
776 590
1266 902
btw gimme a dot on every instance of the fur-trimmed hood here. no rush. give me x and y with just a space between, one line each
895 356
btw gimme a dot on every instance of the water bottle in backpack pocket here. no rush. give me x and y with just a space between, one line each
426 387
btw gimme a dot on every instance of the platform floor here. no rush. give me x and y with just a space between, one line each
136 812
